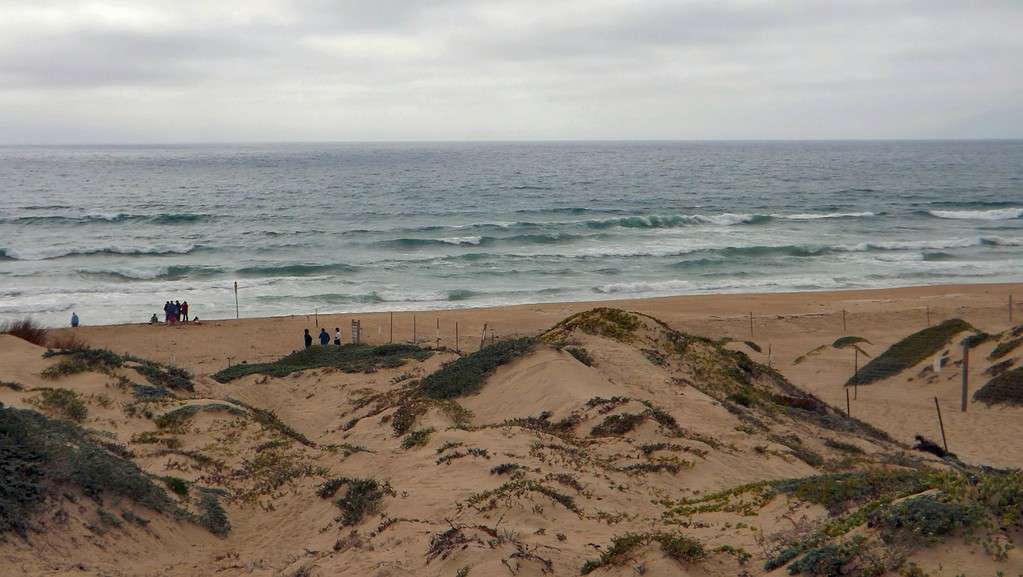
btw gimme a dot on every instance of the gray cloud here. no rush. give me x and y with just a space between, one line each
190 70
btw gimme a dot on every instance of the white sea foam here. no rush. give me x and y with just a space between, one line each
993 214
819 216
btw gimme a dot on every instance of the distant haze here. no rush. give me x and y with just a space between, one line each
296 70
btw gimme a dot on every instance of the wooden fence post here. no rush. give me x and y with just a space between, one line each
941 424
483 337
848 408
844 331
390 337
413 328
751 325
456 337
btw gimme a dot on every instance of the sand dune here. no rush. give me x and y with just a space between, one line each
536 473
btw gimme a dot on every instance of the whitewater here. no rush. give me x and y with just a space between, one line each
112 232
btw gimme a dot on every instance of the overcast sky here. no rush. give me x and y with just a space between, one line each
287 70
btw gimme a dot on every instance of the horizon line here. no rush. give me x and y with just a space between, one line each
498 141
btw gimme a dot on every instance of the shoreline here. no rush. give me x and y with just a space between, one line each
715 315
829 294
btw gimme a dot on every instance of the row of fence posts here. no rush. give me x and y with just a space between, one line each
487 333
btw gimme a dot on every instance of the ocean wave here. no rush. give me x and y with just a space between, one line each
643 287
53 254
414 243
170 273
991 214
165 218
826 215
295 270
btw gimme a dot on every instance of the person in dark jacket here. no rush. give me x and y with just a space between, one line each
324 338
308 339
184 311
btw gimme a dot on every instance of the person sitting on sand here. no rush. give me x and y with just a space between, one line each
74 320
153 320
337 337
308 339
324 338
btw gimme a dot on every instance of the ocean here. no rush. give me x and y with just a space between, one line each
112 232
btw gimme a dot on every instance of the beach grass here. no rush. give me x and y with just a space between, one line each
348 358
909 352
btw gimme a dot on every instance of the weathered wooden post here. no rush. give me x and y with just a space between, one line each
941 424
848 408
483 336
236 300
751 325
390 337
456 338
413 328
843 322
438 333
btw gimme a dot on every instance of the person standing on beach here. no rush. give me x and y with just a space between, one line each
74 320
324 338
177 311
337 337
184 311
166 312
308 339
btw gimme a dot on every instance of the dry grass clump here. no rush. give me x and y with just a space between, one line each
61 403
910 351
606 322
25 329
623 547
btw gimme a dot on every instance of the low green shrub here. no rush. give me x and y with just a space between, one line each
924 518
362 497
909 352
617 425
38 454
581 355
466 375
1005 388
212 516
417 438
349 358
678 547
62 403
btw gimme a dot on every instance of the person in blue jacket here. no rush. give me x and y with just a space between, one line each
74 320
324 338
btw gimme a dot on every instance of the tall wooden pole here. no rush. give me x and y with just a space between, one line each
456 337
483 337
236 300
390 337
751 325
941 424
966 376
413 329
848 408
844 331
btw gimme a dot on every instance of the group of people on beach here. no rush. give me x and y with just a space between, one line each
174 312
324 338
